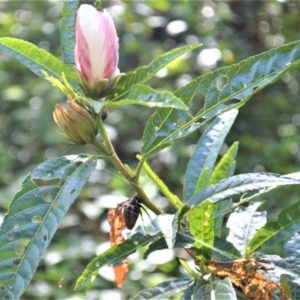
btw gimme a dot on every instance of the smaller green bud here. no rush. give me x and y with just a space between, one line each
77 124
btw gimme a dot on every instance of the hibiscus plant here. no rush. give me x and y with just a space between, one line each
223 264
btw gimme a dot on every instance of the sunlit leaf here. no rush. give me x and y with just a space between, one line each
39 60
115 255
240 184
225 168
144 73
224 89
243 223
223 289
202 228
143 95
273 232
163 290
166 225
206 153
67 31
34 216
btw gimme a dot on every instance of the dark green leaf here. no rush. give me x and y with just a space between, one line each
143 95
285 226
67 31
38 60
116 254
188 293
202 228
225 247
144 73
34 216
243 223
240 184
206 153
163 290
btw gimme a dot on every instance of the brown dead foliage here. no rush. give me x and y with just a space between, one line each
248 276
116 222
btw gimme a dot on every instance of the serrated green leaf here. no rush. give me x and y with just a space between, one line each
34 216
202 228
243 223
240 184
143 95
144 73
206 152
240 81
115 255
163 290
167 227
285 226
39 60
67 31
237 82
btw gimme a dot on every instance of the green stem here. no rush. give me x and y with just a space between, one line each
115 160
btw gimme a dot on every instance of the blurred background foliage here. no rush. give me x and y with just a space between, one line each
267 127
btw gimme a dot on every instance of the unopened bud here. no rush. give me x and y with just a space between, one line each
77 124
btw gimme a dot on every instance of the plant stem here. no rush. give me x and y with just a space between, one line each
108 149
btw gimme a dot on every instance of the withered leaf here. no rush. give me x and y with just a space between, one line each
248 276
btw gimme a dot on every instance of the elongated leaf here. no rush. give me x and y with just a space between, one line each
238 185
237 82
163 290
67 31
291 286
225 168
144 73
188 293
166 225
243 223
143 95
206 153
202 228
115 255
285 226
38 60
34 216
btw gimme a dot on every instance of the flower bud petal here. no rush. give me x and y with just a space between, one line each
76 123
97 45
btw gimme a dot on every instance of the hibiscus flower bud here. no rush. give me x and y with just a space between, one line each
96 51
77 124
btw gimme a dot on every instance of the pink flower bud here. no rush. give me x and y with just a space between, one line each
96 49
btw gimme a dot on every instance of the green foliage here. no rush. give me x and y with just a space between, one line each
34 215
210 190
67 31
